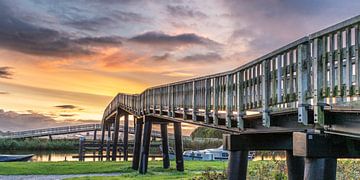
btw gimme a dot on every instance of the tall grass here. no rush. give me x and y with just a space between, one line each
38 144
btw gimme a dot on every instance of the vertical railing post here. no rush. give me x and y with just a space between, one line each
169 105
319 115
302 77
265 81
194 100
184 100
216 101
357 64
240 99
229 99
207 100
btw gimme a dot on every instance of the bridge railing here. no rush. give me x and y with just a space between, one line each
318 70
50 131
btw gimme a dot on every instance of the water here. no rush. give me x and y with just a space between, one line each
46 156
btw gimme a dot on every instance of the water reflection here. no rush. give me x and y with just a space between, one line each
45 156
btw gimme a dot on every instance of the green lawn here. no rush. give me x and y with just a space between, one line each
347 169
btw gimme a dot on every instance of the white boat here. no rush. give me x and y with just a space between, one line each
211 154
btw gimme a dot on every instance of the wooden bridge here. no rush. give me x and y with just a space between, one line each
64 130
303 98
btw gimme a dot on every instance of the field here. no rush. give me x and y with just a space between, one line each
347 169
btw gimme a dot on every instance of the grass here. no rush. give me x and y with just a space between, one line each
347 169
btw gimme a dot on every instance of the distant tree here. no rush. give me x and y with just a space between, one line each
204 132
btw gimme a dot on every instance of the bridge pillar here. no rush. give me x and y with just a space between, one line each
321 152
320 169
295 166
146 146
108 142
101 148
137 145
178 147
240 144
95 133
237 167
165 146
126 136
116 134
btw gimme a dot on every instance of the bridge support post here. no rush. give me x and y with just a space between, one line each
81 148
240 144
146 146
116 135
126 136
237 168
101 148
295 166
108 142
320 169
165 146
137 145
321 151
178 147
95 133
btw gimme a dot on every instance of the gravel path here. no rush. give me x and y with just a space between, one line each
51 177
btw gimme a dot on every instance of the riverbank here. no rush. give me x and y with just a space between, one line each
347 169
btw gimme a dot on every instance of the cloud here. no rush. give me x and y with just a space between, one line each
196 58
163 57
184 11
67 106
3 93
67 115
19 35
13 121
90 24
159 38
264 25
5 73
123 16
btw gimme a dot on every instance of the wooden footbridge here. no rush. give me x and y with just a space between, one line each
303 98
64 130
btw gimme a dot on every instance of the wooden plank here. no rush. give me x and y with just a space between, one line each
317 69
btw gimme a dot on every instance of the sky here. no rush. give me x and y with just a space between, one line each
63 61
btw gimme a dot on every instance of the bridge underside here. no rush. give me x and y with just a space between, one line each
310 152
